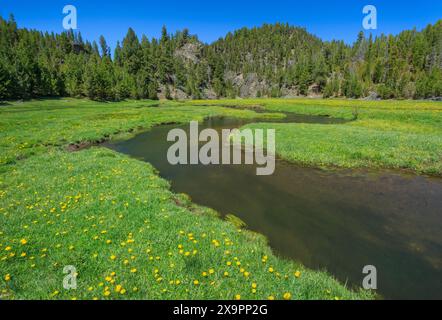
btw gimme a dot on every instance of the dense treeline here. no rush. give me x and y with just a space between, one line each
273 60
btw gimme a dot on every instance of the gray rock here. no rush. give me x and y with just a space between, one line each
190 52
372 95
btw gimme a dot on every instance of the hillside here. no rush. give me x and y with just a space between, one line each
270 61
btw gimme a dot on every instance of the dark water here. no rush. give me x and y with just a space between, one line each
334 220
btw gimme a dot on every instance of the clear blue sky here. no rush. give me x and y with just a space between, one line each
328 19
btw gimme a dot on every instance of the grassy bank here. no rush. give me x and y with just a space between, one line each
116 221
384 134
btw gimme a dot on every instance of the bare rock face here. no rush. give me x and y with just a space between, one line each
314 91
179 94
190 52
209 94
249 85
289 92
372 96
175 93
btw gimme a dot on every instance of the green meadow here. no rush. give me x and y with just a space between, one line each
129 236
405 135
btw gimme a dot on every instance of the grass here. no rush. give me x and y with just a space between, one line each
386 134
117 222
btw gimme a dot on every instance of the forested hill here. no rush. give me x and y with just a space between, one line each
270 61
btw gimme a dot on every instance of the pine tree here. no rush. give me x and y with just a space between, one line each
105 51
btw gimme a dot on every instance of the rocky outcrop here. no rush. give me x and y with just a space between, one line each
249 85
190 52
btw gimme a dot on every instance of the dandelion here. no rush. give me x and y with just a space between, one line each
271 298
8 248
287 296
118 288
196 282
123 291
113 257
204 274
133 270
226 274
271 270
106 293
237 297
211 271
254 285
229 263
7 277
23 241
297 274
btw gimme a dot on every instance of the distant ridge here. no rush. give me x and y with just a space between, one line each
275 60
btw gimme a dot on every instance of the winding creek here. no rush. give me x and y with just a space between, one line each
334 220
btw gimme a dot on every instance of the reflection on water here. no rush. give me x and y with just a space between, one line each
334 220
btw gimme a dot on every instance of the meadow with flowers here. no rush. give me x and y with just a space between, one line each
117 222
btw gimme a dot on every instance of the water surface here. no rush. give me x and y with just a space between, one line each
338 220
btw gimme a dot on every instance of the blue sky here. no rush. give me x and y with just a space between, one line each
332 19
